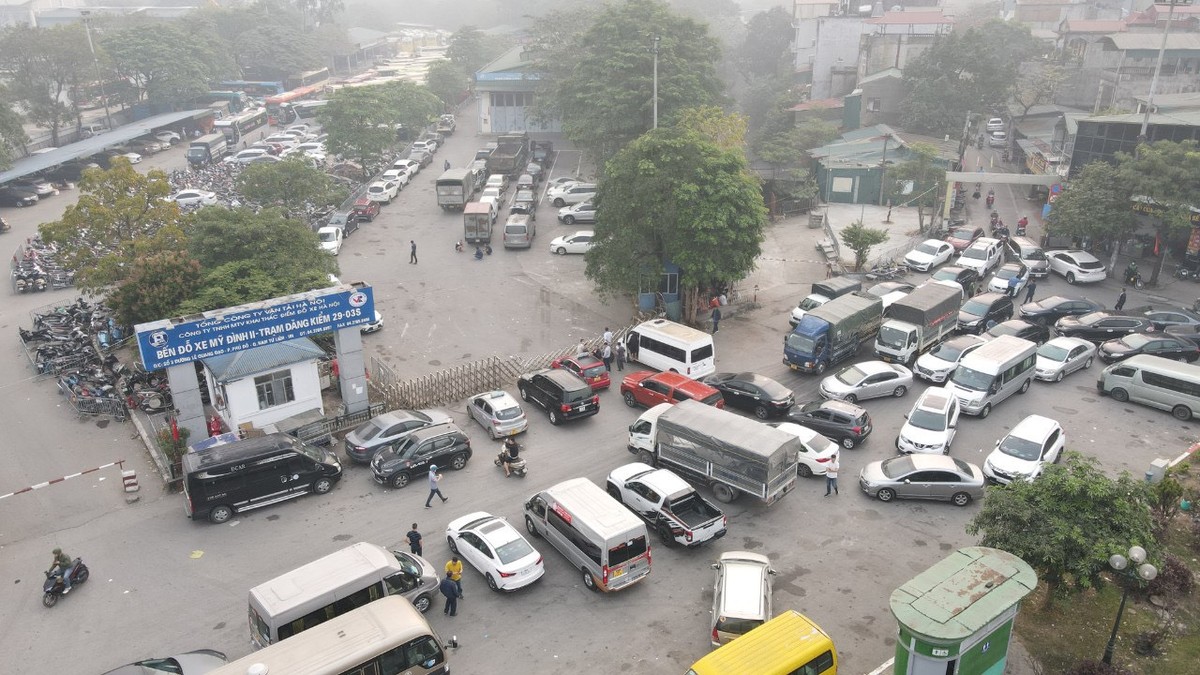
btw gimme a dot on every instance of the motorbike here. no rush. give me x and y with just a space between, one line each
52 590
1022 224
517 466
1134 278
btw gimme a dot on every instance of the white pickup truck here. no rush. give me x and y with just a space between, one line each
672 507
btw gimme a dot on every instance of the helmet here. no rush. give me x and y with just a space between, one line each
433 467
57 551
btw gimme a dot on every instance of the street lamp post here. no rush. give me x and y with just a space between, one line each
1144 572
654 49
87 27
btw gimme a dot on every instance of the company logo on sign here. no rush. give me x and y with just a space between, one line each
158 339
358 299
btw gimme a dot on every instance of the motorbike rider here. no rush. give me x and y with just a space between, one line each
1131 271
1022 224
62 566
509 454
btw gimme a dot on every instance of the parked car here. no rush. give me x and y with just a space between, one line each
967 279
330 239
390 427
38 186
648 388
583 212
1156 344
383 191
374 326
1189 333
816 451
984 255
398 176
928 255
580 242
498 412
587 367
147 146
869 379
498 181
1076 266
668 504
1062 356
741 595
496 549
930 426
936 477
962 237
193 197
19 198
561 393
422 157
1051 309
571 193
750 391
844 422
524 201
1034 332
995 124
168 137
984 310
886 288
196 662
1024 453
439 445
1173 316
1007 272
411 167
244 156
937 364
1102 326
365 209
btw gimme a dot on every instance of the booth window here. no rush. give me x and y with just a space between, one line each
274 389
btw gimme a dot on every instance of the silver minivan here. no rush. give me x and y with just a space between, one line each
1156 382
519 231
741 595
989 375
1025 250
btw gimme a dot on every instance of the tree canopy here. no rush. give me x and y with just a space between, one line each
292 184
168 62
447 81
362 120
1096 206
918 181
12 133
861 240
766 50
44 65
470 49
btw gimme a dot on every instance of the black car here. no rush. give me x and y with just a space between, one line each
440 445
1191 333
1034 332
1155 344
1051 309
846 423
967 278
750 391
1172 316
1101 326
984 310
14 197
563 394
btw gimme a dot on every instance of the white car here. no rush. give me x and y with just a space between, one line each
995 124
490 193
133 157
571 193
1076 266
937 364
580 242
428 145
984 255
496 549
999 280
816 451
398 176
285 140
1062 356
869 379
1022 455
383 191
375 326
167 137
498 181
247 155
193 197
413 167
331 239
931 424
928 255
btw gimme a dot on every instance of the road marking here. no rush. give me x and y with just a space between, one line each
883 667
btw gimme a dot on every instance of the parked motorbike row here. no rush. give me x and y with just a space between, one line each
37 268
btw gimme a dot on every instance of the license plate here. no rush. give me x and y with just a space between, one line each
617 573
793 366
585 406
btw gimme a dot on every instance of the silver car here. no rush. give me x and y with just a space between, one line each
368 439
498 412
870 379
936 477
1062 356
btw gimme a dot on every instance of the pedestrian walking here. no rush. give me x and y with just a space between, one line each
1013 282
412 256
716 318
1120 301
446 166
450 591
831 472
582 347
1030 289
414 540
607 337
606 355
454 569
619 350
434 477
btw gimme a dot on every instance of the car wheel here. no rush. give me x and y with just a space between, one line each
1059 376
554 418
423 602
987 410
322 485
820 367
458 461
492 433
568 220
559 203
1070 277
1182 413
885 495
524 393
529 527
724 493
761 412
400 480
848 443
491 583
960 499
1119 395
1025 387
850 398
900 391
561 251
803 470
645 457
630 399
589 581
220 514
453 546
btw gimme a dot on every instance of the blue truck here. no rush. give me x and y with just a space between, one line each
832 332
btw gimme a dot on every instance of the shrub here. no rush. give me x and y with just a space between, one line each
1174 579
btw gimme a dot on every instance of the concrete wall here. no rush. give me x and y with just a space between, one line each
835 65
881 101
891 51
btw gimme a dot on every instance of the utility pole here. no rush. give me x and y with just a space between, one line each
654 49
87 27
962 142
1162 48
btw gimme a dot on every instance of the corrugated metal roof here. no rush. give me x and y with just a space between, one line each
1186 118
1094 26
237 365
886 73
1150 42
912 18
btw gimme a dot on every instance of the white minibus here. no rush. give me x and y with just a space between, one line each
1155 382
666 345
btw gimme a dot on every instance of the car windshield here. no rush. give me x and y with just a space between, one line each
976 308
897 466
328 236
1007 272
1035 254
972 379
947 352
975 253
1052 352
946 275
927 249
594 371
851 376
892 337
1020 448
928 419
505 414
963 233
577 395
810 303
514 550
799 343
407 564
1135 341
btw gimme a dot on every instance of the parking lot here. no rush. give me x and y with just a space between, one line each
162 584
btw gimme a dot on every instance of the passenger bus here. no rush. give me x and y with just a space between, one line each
239 126
254 88
279 107
238 101
385 636
305 110
311 78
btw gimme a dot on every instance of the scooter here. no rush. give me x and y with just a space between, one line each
517 466
52 590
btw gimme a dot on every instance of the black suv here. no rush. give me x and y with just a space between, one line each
1026 330
965 277
982 311
563 394
1051 309
439 445
1102 326
843 422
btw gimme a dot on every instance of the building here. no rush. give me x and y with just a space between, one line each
1120 67
852 169
264 385
1100 138
879 96
897 37
506 88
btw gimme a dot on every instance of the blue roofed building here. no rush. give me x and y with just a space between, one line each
264 385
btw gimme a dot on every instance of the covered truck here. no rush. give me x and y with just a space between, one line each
729 453
823 292
918 321
454 189
510 156
832 332
478 218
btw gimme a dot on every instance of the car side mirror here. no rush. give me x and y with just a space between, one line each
453 643
771 571
715 566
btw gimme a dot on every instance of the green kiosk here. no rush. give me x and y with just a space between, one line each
957 616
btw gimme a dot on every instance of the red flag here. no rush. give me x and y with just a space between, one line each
174 429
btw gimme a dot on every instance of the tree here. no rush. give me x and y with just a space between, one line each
447 81
362 120
602 82
1097 205
45 64
766 51
157 285
861 239
726 131
917 181
967 71
120 215
287 250
278 49
673 196
291 184
166 61
1168 175
470 49
789 147
1037 84
1067 522
12 133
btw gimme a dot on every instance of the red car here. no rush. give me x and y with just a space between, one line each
366 209
587 367
648 388
962 237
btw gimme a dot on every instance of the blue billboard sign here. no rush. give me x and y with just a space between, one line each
172 342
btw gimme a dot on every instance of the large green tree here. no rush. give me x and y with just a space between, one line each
602 82
766 50
1168 175
470 49
362 120
12 132
156 286
447 81
918 181
291 184
1096 205
1067 522
974 71
44 65
861 239
168 62
674 196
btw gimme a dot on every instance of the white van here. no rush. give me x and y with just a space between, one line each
666 345
992 373
1156 382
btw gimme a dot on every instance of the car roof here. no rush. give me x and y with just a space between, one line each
563 378
935 398
435 430
842 406
963 341
498 397
923 461
1034 427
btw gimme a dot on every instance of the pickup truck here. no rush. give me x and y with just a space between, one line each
446 125
664 500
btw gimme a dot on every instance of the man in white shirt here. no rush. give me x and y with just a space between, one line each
831 473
